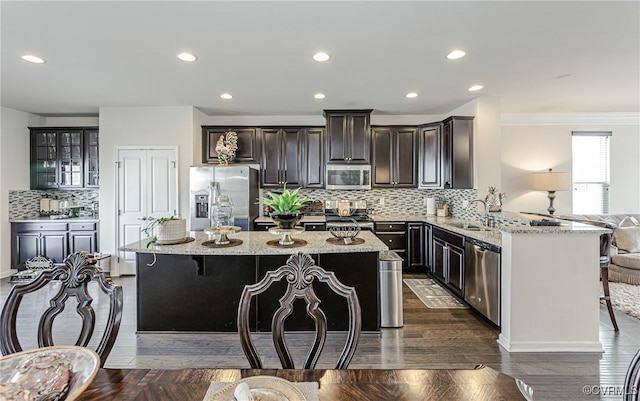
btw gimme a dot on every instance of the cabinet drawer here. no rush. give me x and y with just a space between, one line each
448 237
314 226
22 227
390 227
262 226
393 241
82 226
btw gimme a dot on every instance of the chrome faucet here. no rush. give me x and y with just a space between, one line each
488 220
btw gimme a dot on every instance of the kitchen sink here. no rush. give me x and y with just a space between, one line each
469 227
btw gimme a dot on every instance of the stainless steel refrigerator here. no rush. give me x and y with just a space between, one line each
239 182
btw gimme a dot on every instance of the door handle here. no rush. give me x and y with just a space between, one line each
142 218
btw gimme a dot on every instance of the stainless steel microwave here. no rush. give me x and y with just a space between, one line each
348 176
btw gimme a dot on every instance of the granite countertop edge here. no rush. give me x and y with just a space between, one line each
48 219
255 243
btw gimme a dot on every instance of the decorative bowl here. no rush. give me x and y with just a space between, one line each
84 365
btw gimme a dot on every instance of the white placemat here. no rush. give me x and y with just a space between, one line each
309 389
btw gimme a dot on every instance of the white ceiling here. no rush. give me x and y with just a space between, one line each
122 53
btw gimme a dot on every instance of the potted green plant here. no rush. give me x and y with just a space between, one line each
285 207
166 230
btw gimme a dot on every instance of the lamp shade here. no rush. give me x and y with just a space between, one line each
551 181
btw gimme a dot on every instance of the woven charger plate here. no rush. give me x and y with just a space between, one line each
296 243
175 242
340 241
267 388
212 243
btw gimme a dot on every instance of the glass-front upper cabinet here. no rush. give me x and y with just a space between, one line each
59 157
92 172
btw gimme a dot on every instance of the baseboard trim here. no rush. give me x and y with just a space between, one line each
549 346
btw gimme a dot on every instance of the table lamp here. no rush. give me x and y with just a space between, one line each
551 182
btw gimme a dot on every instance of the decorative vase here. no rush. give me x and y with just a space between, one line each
494 200
286 221
225 159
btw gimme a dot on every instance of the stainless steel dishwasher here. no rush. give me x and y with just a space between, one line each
482 278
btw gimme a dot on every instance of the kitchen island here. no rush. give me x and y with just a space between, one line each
192 287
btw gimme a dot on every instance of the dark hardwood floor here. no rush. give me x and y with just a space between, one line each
430 338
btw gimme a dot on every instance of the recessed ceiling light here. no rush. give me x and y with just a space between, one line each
319 95
321 56
456 54
474 88
187 57
411 95
33 59
226 96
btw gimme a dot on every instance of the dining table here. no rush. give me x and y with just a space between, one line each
477 383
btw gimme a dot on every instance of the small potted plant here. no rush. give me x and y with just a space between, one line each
166 230
285 207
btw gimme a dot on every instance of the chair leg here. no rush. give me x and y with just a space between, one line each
604 274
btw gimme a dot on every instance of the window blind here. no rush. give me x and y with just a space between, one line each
590 172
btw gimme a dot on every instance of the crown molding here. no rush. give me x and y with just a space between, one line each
626 118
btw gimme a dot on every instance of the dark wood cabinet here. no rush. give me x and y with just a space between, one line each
32 239
59 157
448 259
415 246
427 248
429 156
348 136
91 159
457 153
394 153
394 235
52 239
83 237
313 158
247 143
293 155
281 157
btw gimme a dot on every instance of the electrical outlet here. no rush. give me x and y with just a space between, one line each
465 203
381 201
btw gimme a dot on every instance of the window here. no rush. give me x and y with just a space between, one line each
590 171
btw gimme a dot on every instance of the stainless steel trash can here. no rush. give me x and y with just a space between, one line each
390 270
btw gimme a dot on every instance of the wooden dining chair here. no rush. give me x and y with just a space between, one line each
300 271
73 276
632 380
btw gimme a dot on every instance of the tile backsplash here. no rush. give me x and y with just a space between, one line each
26 204
402 200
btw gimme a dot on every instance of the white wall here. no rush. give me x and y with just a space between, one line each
86 121
144 127
536 144
14 171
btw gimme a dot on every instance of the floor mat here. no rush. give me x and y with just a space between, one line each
432 294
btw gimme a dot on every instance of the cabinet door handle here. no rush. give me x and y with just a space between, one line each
142 218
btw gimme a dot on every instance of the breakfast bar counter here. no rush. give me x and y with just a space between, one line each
193 287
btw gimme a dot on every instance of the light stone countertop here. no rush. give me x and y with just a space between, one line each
255 243
494 235
46 219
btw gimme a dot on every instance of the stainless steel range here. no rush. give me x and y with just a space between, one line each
339 212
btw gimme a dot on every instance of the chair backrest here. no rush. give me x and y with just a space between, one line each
632 380
300 272
78 270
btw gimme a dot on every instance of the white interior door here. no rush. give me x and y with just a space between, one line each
147 187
